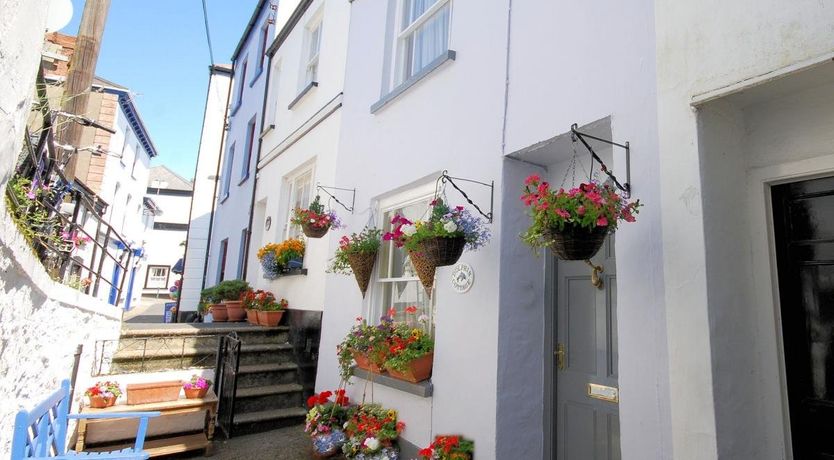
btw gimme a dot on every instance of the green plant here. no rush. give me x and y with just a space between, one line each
30 214
326 414
104 389
365 242
315 216
231 289
364 338
407 344
208 296
446 447
276 305
370 429
588 206
444 222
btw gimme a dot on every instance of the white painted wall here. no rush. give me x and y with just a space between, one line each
698 170
164 247
283 154
232 213
202 201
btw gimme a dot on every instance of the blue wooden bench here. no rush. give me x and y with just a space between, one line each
42 431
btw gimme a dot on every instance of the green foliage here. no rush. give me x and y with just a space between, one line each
363 338
407 344
365 242
231 289
30 215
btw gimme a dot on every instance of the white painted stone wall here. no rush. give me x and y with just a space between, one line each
204 188
41 323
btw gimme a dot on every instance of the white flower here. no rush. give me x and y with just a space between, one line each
372 443
312 221
422 319
450 226
408 229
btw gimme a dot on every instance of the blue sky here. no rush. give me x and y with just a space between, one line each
158 49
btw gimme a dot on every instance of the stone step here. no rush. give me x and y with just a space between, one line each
257 399
203 336
265 420
147 360
255 375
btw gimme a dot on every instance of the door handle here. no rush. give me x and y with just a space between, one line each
559 353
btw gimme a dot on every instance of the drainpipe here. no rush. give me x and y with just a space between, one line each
216 176
255 183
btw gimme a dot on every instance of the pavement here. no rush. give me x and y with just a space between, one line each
150 310
290 443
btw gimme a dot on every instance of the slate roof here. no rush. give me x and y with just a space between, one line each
174 181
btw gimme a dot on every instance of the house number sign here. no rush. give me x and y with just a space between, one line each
462 278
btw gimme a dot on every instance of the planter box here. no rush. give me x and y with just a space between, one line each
219 313
270 318
252 317
364 362
142 393
234 310
418 369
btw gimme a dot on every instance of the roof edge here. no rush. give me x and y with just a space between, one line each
252 20
288 27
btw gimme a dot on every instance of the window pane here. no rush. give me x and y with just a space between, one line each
431 40
413 9
401 294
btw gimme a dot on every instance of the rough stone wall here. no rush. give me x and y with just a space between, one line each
41 323
22 24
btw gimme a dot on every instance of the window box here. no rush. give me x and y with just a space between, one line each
288 272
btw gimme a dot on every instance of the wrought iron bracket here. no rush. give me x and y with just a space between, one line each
624 187
445 177
334 198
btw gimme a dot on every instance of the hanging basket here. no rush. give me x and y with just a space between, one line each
443 251
362 265
312 231
424 268
577 243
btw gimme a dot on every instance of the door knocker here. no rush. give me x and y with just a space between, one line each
596 281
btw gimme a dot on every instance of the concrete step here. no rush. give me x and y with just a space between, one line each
207 335
267 397
265 420
255 375
165 358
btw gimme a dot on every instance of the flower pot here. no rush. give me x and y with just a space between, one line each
443 251
234 310
418 369
577 243
314 232
424 268
143 393
195 393
270 318
219 313
100 402
327 445
252 317
362 265
363 361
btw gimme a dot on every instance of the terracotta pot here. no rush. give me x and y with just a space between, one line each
234 310
270 318
418 369
314 232
577 243
194 393
100 402
252 317
143 393
363 361
219 314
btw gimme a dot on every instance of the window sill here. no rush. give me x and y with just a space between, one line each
303 93
266 131
424 389
255 78
290 272
404 86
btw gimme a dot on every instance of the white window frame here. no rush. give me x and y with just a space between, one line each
290 230
378 306
312 51
150 278
402 73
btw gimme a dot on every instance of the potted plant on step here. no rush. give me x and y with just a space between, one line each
448 447
210 303
328 412
271 311
103 394
411 353
197 387
230 293
372 433
439 241
366 345
573 223
357 254
315 221
254 301
278 258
